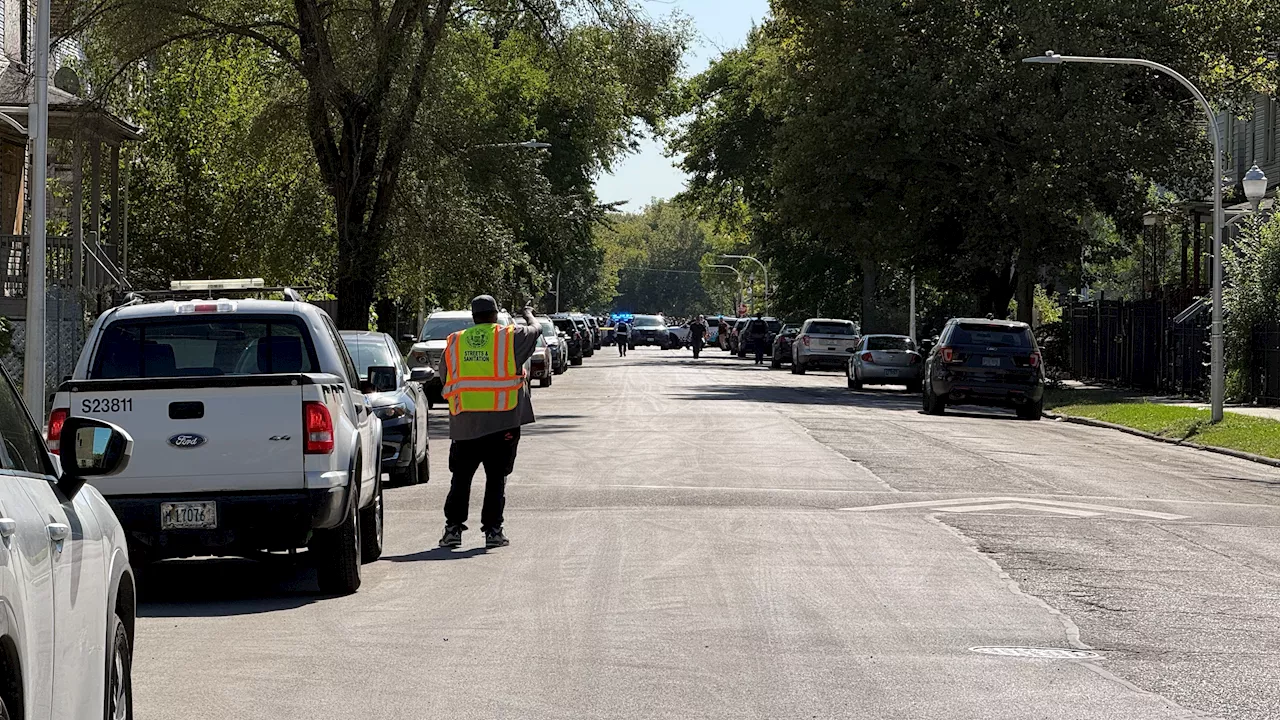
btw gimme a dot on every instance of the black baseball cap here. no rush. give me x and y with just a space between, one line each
484 304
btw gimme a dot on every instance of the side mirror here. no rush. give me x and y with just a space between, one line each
408 338
383 378
422 374
91 448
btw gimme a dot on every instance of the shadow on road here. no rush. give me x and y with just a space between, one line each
888 399
438 553
225 586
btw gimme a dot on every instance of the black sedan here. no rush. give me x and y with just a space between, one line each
398 398
782 345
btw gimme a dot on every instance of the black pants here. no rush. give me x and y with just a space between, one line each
622 345
759 350
497 452
697 346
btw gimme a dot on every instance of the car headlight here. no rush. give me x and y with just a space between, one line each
388 412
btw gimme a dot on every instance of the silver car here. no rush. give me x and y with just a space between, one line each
823 342
885 360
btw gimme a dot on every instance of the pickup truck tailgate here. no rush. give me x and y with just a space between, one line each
205 439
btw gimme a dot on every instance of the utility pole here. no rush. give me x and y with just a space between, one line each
557 291
913 309
33 370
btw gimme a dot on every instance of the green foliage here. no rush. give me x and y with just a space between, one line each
657 258
854 139
1251 297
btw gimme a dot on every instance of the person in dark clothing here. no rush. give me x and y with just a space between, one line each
697 334
486 436
622 333
757 333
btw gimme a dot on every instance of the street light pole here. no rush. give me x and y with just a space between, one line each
737 272
33 370
1217 380
913 309
766 276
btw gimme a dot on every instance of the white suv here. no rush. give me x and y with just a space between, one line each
251 428
66 588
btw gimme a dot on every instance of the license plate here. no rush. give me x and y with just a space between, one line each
182 516
990 362
890 372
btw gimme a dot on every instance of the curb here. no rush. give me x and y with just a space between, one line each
1240 454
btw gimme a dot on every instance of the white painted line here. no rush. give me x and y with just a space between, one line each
1019 506
944 504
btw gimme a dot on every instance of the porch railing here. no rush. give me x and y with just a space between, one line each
98 268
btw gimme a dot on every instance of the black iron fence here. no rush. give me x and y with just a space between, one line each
1155 345
1264 375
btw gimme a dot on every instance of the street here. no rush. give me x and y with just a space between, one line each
712 539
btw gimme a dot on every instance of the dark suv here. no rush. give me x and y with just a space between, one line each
985 362
573 337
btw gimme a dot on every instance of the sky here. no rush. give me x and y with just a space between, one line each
720 25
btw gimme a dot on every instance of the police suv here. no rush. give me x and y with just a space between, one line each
249 425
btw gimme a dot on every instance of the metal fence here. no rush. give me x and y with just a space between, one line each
1264 376
1147 344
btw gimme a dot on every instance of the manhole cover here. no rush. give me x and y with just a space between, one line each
1042 653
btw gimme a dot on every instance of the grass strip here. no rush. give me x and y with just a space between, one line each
1260 436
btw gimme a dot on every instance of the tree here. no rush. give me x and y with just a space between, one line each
658 254
365 68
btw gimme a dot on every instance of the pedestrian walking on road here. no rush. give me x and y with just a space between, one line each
697 335
722 334
622 331
757 332
488 400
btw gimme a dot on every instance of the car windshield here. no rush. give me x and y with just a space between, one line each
368 351
564 324
440 328
831 328
991 335
203 346
647 321
548 328
890 342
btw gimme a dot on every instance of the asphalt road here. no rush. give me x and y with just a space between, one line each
712 539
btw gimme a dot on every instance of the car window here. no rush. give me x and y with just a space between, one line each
887 342
368 351
991 335
647 321
349 367
831 328
203 347
401 367
21 448
440 328
548 328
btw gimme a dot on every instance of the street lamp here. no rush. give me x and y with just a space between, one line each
766 276
1255 186
737 272
1217 372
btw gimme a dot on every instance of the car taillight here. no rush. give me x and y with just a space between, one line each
319 426
57 419
805 339
948 354
868 357
1035 359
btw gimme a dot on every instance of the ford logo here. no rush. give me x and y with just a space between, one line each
187 440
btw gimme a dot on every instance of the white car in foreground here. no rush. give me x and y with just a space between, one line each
67 591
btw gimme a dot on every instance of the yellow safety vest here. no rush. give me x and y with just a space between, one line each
480 370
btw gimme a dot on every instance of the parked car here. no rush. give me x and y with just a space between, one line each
606 329
428 347
398 399
823 343
782 345
885 360
985 362
713 329
588 335
572 336
744 342
557 344
597 334
681 336
66 585
540 365
250 432
649 330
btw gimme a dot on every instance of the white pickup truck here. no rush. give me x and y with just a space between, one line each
250 432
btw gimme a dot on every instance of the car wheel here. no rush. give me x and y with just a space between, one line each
775 362
424 465
338 556
798 367
576 361
371 526
933 405
1031 411
119 698
544 381
851 376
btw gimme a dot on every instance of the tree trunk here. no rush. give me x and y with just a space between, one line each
1026 295
870 274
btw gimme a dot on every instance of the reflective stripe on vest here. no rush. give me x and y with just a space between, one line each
480 370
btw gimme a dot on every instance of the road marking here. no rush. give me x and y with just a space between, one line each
1020 506
1004 503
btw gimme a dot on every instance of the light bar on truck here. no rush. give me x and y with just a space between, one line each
211 285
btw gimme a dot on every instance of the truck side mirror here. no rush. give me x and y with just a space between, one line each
422 374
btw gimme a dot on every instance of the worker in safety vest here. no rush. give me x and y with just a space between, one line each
488 401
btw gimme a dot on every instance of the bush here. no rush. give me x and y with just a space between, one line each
1251 295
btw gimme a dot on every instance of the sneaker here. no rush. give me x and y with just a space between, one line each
495 538
452 537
